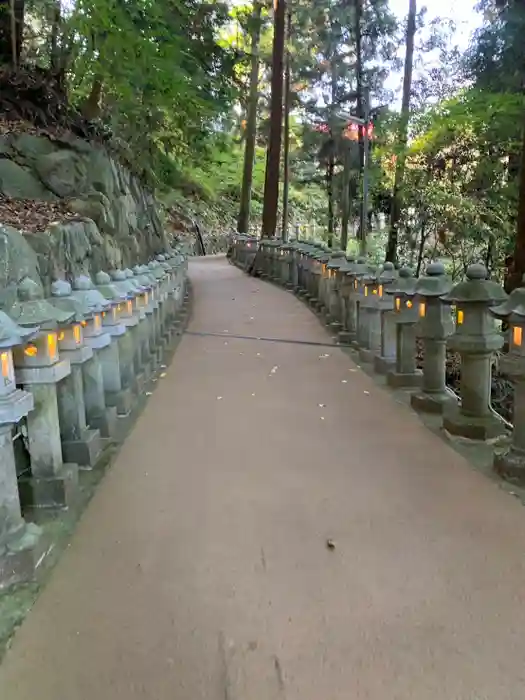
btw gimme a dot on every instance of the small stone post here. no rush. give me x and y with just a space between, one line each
476 339
434 327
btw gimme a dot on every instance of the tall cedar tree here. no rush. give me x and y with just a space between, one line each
273 156
395 212
251 123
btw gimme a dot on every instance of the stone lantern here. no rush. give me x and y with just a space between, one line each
344 288
98 415
80 444
476 338
434 326
39 369
334 316
511 462
150 356
177 290
302 266
250 250
157 274
382 322
169 316
285 264
131 317
351 274
402 291
369 285
318 297
117 357
21 545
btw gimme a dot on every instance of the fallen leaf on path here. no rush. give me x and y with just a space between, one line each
366 392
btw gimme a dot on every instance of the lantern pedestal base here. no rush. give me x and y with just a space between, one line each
121 400
431 403
335 327
399 380
384 365
59 491
345 338
510 464
472 427
21 555
85 451
105 423
366 355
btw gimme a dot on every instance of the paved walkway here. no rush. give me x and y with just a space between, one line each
200 569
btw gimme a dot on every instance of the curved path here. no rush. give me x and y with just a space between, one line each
201 567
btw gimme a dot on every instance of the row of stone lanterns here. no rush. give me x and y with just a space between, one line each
381 312
74 366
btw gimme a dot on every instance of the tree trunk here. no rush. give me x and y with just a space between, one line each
273 160
395 212
515 278
54 49
11 31
91 107
358 38
345 199
330 196
251 123
287 106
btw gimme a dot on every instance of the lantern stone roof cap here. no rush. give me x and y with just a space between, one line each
31 309
513 308
435 282
360 268
155 269
337 258
62 297
388 274
476 288
348 264
142 278
118 275
12 334
404 284
125 284
83 282
85 292
110 291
